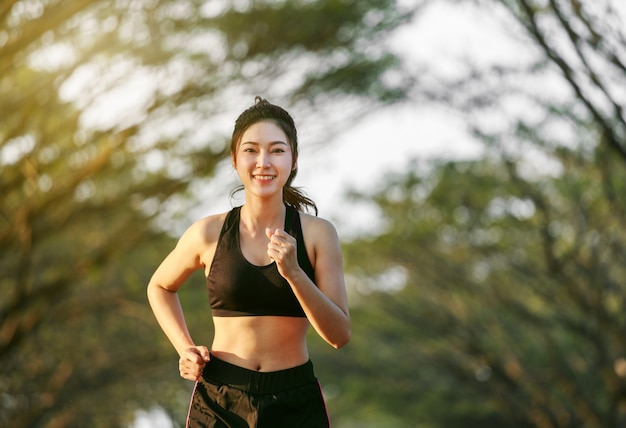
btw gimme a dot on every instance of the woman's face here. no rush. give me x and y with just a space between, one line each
264 159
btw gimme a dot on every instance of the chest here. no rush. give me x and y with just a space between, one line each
254 249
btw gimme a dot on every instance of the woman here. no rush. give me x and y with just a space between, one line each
271 271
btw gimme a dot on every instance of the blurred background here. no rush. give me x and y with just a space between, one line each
472 154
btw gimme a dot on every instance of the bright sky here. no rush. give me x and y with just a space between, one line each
361 157
385 142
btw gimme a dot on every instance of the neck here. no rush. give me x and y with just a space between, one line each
256 214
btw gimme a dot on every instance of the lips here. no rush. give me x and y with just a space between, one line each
264 177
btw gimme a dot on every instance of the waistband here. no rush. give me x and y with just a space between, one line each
258 382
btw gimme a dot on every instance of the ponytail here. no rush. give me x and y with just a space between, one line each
295 197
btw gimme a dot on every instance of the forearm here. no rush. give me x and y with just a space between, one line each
169 314
330 321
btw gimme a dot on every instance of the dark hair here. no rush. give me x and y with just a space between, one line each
263 110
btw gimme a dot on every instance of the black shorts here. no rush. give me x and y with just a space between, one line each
229 396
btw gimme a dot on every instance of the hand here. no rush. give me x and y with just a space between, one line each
283 249
192 362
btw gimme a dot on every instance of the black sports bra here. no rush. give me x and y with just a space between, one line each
238 288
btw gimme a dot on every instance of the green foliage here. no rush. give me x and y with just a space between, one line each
513 298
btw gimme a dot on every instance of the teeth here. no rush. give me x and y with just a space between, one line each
263 177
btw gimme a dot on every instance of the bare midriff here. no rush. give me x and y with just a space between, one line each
261 343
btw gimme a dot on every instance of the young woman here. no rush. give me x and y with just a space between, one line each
272 271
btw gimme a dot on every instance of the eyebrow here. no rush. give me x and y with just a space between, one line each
273 143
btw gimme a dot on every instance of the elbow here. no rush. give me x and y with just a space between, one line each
154 290
342 340
150 290
340 344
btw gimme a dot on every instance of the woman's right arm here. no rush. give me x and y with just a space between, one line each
184 259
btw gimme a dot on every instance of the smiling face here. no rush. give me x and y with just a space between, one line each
263 159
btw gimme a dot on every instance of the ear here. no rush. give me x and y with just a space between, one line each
233 160
294 166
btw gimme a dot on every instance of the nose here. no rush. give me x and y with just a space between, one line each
262 159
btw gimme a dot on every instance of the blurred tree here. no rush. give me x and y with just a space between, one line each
110 109
512 309
513 267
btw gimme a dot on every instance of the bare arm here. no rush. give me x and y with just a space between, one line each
184 259
325 303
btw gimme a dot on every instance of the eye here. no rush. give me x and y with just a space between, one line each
278 150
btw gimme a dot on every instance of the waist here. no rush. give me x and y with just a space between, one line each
257 382
261 343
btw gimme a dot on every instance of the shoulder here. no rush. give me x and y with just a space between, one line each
318 229
192 251
205 231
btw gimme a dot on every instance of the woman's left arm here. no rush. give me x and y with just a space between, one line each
325 302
